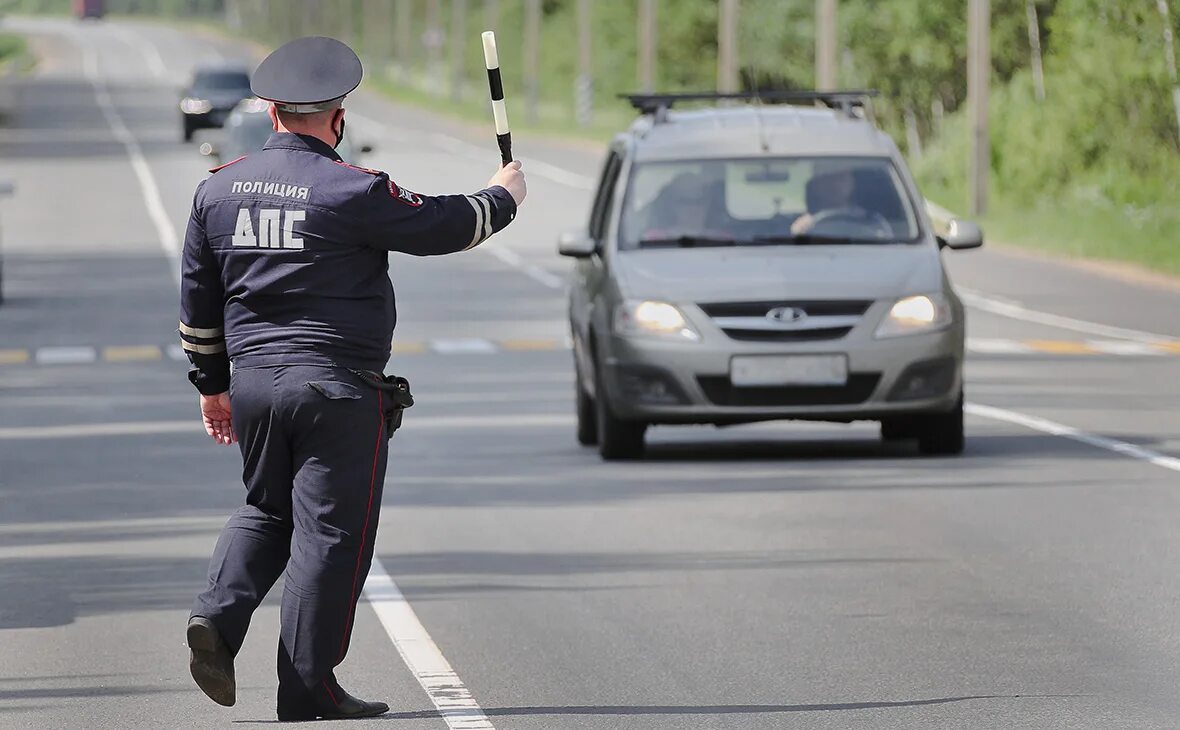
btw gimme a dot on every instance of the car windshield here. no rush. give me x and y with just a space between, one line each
247 132
768 201
221 80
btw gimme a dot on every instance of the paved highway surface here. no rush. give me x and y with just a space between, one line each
784 575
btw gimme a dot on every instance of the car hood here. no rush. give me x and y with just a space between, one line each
779 273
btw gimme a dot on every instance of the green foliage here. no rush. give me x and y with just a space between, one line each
1101 149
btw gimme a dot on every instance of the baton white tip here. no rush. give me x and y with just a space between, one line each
490 56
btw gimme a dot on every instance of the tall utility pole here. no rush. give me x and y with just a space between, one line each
584 91
458 35
647 46
403 25
491 15
532 57
826 45
727 51
1034 46
434 40
979 66
1170 58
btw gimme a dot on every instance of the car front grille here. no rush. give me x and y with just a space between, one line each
807 321
721 392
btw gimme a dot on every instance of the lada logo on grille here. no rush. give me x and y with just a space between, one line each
786 315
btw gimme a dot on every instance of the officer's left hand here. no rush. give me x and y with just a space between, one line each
215 412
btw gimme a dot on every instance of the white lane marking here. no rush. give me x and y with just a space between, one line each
542 169
515 261
148 428
462 346
82 430
1059 429
1013 310
147 49
987 346
65 355
1120 347
418 650
167 237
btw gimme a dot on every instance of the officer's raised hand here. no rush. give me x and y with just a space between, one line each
511 178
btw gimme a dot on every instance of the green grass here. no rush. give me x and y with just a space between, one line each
1076 224
14 54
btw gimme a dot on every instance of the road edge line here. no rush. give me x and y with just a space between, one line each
1053 428
148 187
426 662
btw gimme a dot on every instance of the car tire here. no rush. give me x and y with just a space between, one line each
587 417
618 439
941 434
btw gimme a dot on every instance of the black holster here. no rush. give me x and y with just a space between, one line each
397 396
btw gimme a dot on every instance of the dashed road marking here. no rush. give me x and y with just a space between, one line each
74 355
462 347
131 353
65 355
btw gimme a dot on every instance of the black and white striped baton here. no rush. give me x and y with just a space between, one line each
492 61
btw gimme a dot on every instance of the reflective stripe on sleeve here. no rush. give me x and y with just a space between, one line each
487 212
479 216
203 349
202 332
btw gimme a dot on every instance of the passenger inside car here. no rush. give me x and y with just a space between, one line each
692 204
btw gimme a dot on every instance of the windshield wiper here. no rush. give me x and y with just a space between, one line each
687 242
804 239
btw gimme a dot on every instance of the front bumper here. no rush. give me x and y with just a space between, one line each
212 119
673 382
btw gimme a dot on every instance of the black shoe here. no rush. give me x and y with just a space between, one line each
210 661
345 707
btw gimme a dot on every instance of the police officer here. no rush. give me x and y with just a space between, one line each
285 274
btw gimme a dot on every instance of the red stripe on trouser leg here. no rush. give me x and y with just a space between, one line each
330 695
365 530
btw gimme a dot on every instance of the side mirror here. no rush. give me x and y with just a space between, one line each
960 235
577 244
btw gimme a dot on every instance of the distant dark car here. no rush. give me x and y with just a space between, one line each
212 94
247 129
84 9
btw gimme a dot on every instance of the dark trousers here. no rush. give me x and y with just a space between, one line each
313 447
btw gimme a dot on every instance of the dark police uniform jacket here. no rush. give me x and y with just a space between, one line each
285 258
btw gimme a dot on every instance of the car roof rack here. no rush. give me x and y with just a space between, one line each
846 101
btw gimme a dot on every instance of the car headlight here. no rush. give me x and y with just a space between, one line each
658 319
916 315
189 105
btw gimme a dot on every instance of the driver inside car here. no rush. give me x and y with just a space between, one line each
831 200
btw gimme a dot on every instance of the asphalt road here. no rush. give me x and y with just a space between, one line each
754 577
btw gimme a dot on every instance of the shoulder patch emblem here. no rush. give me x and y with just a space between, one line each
222 167
412 199
368 170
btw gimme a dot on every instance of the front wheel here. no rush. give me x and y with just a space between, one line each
617 438
587 417
941 434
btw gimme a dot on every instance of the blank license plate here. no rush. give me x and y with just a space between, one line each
766 370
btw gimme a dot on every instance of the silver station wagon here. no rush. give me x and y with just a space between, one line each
758 261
